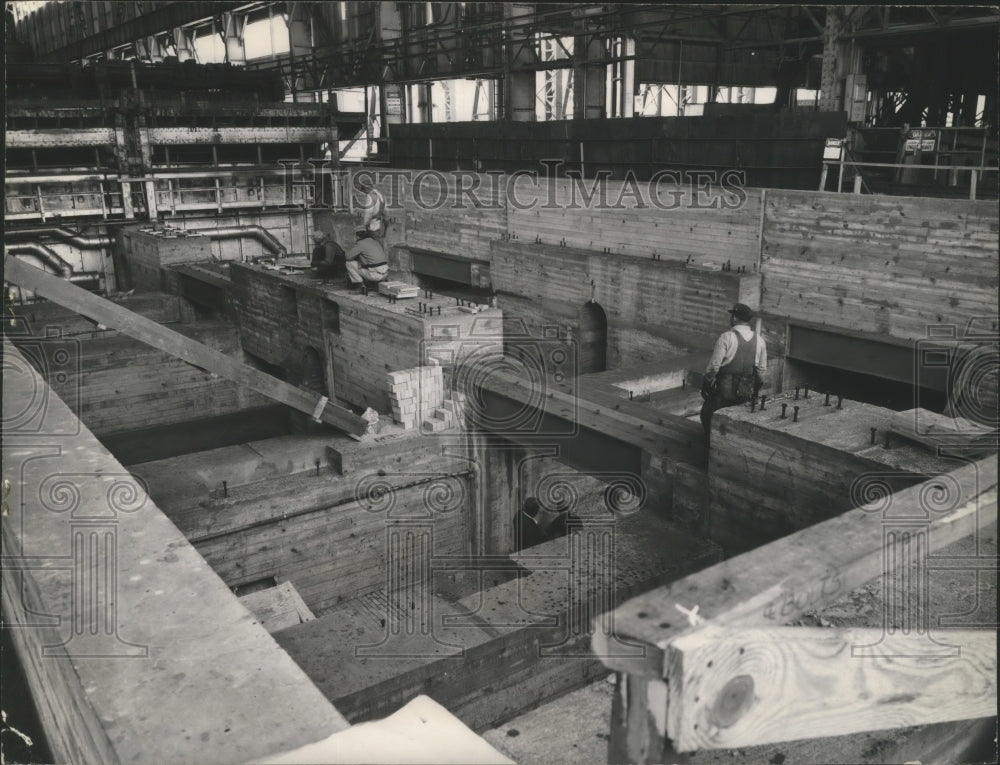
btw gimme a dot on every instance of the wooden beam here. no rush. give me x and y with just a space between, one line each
806 571
110 314
941 433
732 688
590 406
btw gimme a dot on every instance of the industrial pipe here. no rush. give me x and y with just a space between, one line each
63 234
44 254
259 233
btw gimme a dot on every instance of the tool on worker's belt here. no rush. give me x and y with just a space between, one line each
840 402
795 414
826 401
762 400
796 394
783 408
805 392
872 442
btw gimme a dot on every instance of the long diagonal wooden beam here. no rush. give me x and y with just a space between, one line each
150 332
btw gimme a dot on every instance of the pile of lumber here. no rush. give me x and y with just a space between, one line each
398 290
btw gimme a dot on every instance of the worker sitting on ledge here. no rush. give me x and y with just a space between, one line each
735 373
328 257
366 264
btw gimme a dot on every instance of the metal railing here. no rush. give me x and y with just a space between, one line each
843 163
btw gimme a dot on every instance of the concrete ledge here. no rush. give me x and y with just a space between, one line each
134 649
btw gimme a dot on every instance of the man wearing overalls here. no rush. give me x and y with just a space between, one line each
736 370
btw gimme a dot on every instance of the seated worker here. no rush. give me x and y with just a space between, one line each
735 373
328 257
366 262
527 530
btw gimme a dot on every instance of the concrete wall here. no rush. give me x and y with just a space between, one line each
326 532
357 339
115 383
878 265
769 476
885 265
653 308
157 629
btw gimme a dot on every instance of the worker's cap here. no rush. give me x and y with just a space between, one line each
531 506
741 312
319 234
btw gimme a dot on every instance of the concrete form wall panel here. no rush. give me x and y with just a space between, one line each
886 265
125 385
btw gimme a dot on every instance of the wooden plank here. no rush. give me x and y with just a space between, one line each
132 324
938 431
732 688
775 584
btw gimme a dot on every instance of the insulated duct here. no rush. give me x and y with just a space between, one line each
51 259
95 242
258 233
44 254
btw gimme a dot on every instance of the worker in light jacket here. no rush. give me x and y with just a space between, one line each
735 373
373 208
366 263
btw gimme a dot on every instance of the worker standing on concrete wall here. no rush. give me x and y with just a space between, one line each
736 370
366 263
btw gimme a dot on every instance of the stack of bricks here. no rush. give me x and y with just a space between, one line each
416 395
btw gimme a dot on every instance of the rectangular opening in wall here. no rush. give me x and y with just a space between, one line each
287 301
255 586
331 316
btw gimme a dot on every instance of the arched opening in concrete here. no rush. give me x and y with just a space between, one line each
312 370
593 339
